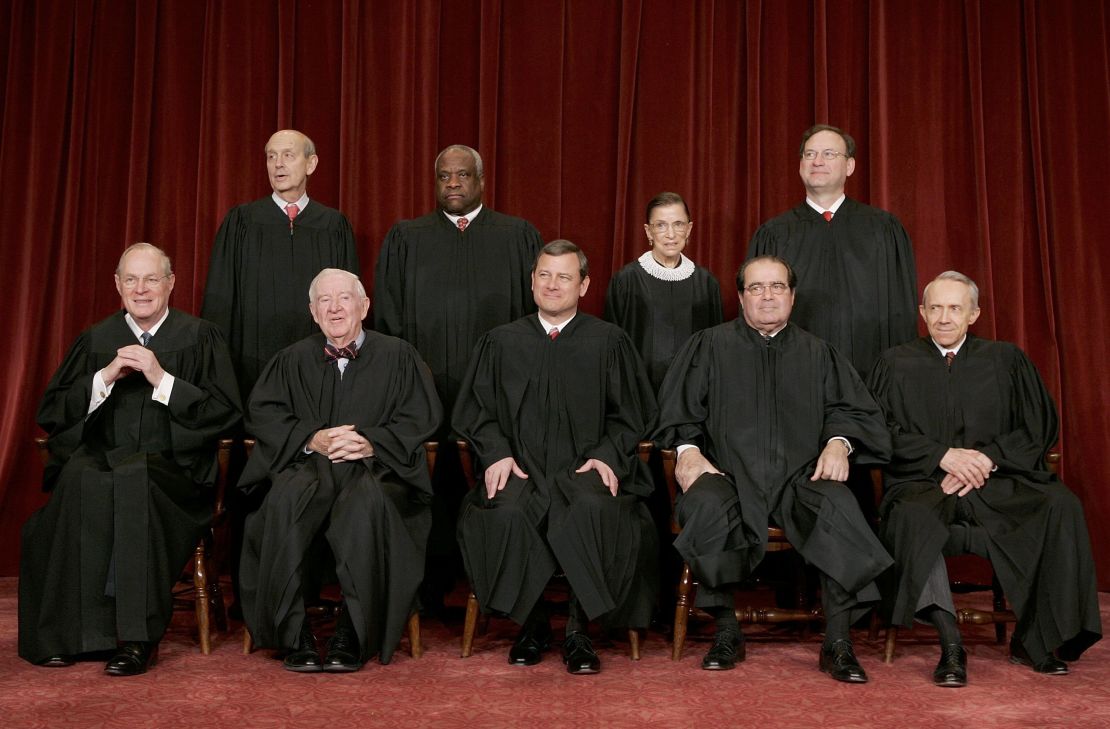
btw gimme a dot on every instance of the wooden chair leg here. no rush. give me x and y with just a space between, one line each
416 649
200 593
470 625
634 643
681 612
248 642
888 648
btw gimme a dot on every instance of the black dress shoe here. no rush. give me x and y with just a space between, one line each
951 670
343 651
579 655
533 640
58 661
839 661
303 658
727 650
1050 665
132 659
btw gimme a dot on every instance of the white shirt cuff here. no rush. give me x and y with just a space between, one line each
100 391
845 441
165 387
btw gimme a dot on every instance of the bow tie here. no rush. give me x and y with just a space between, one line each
333 353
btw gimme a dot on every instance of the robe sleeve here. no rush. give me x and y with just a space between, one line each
914 455
475 415
64 407
389 284
220 291
1033 419
851 412
901 282
684 397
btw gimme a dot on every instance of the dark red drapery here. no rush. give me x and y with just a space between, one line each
978 124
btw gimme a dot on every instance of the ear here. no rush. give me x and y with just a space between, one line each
850 167
974 316
583 286
312 162
921 311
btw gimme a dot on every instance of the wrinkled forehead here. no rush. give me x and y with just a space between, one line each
284 141
336 285
765 272
140 263
948 293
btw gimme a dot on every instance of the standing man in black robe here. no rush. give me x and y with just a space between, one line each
555 405
340 419
765 417
972 422
133 414
442 281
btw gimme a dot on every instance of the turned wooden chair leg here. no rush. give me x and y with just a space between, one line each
681 612
891 639
634 643
200 590
470 625
248 642
416 649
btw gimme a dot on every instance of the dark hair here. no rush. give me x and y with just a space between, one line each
562 247
849 143
662 200
791 277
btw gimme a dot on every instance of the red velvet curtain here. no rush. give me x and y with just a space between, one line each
978 125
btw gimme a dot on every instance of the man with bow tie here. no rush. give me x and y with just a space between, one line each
339 418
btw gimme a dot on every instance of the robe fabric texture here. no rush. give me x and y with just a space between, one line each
258 277
761 411
373 512
659 316
552 405
857 282
991 400
131 489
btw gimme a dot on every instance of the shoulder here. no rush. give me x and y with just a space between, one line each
863 210
490 217
784 219
424 222
191 327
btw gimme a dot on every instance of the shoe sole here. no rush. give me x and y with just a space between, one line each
583 671
303 669
341 669
1023 662
950 683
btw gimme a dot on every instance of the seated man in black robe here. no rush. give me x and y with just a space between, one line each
340 419
133 414
555 405
765 416
971 422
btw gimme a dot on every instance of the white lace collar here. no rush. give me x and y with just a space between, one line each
681 272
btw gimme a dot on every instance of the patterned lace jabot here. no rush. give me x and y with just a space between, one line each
681 272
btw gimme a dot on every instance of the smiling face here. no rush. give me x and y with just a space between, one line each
458 186
826 177
339 308
287 165
948 311
667 242
557 285
766 311
144 286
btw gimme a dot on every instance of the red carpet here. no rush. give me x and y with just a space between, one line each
778 686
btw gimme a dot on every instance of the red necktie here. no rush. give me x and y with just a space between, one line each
291 210
828 216
948 357
554 334
462 223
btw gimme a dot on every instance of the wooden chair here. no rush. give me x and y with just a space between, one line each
470 624
687 585
999 616
416 647
204 593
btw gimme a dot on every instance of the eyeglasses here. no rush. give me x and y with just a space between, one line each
827 154
778 288
150 282
679 227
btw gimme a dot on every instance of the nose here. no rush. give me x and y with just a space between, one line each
767 293
141 286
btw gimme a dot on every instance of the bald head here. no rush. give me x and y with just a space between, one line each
290 159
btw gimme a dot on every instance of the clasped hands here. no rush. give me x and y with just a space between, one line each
965 469
133 358
341 443
497 475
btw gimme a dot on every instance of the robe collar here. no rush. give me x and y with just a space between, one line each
681 272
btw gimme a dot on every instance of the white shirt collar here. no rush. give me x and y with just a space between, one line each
282 203
833 208
945 350
358 341
138 330
469 216
560 326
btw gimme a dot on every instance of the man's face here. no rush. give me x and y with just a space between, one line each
826 176
557 286
766 311
143 287
948 312
287 165
338 308
458 187
667 243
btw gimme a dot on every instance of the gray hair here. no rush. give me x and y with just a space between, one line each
954 276
478 167
167 267
331 272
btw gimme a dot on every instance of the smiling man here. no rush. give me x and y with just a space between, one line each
554 406
766 419
340 419
133 414
972 422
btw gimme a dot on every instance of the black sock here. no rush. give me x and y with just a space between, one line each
944 622
836 627
725 618
576 619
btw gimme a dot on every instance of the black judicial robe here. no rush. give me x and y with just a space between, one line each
761 411
375 511
659 315
258 277
857 282
441 290
552 405
131 487
992 400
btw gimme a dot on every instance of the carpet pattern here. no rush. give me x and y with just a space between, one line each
779 685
